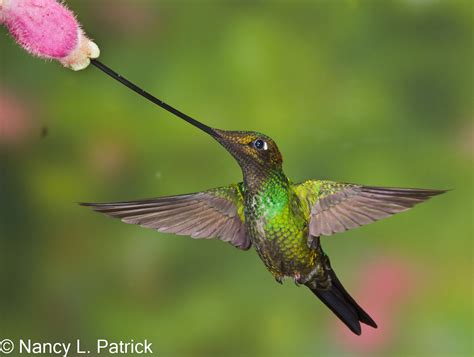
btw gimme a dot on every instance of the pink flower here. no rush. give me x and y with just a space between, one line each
47 29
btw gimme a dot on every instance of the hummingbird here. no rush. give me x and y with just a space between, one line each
282 220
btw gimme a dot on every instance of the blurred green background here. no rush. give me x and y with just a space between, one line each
373 92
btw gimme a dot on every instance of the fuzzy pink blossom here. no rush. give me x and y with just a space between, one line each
47 29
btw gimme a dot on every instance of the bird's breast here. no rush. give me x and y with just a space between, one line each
279 235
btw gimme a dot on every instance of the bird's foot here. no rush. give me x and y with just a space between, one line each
297 278
279 279
302 280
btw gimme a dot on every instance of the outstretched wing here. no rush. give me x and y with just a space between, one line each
336 207
216 213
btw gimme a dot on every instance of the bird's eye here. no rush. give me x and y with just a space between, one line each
259 144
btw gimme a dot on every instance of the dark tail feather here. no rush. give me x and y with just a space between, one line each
343 305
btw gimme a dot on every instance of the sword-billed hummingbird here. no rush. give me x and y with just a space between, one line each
282 220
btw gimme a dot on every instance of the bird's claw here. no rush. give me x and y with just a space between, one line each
279 279
303 280
297 279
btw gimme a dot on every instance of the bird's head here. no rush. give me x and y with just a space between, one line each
256 153
252 150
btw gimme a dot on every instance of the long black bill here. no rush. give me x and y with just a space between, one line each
152 98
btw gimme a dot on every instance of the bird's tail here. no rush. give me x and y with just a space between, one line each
342 304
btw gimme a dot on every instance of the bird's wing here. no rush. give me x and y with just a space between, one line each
216 213
336 207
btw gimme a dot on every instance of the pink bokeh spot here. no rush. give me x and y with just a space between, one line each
385 286
15 120
45 28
